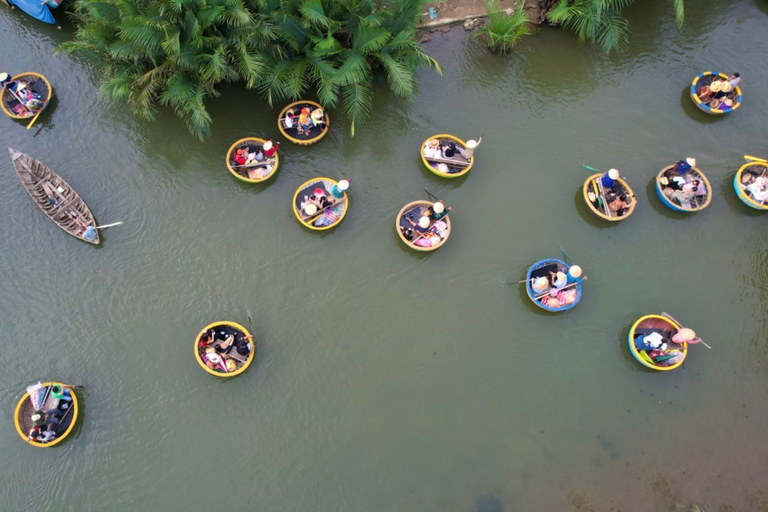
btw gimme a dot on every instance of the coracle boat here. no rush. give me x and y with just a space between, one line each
709 84
649 339
433 155
564 299
258 169
751 183
224 349
321 203
46 414
420 234
30 95
683 188
318 122
597 198
55 197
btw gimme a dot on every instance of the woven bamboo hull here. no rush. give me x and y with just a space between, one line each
445 137
562 266
315 133
57 200
38 83
239 172
745 197
676 207
703 79
306 189
236 330
591 185
23 421
657 323
400 223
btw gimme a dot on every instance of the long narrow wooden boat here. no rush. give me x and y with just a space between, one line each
37 9
55 197
666 328
452 167
11 101
52 407
594 196
566 298
705 79
698 199
426 239
315 132
752 179
218 356
320 219
253 173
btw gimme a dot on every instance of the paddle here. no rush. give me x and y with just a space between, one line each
565 255
34 119
108 226
437 199
749 158
517 282
693 341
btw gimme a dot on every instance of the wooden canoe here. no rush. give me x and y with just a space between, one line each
698 201
314 134
746 176
666 328
457 165
705 79
36 83
54 196
414 211
594 188
541 269
263 170
225 364
24 423
318 220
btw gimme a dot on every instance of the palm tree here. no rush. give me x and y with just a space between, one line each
504 30
171 52
601 21
335 46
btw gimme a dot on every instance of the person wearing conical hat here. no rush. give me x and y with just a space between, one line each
432 149
539 285
574 275
609 178
559 279
270 148
317 117
438 210
5 78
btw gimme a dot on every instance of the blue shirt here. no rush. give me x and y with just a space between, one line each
607 181
572 279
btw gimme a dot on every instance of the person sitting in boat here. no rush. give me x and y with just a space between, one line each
270 148
317 117
539 285
432 149
559 280
574 275
407 233
683 166
734 80
5 79
706 94
759 189
304 122
255 155
224 345
289 119
205 339
238 157
437 211
609 178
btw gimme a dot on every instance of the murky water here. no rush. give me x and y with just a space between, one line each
388 380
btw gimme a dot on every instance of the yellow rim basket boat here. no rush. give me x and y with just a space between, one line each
717 106
229 350
700 198
746 178
407 222
36 83
259 172
594 196
666 328
317 129
452 167
25 410
313 217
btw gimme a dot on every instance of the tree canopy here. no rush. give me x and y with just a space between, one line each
173 53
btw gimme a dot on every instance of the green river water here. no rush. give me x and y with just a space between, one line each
387 380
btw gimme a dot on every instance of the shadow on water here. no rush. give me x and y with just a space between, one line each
659 207
693 112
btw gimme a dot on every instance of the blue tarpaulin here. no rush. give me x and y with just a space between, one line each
36 9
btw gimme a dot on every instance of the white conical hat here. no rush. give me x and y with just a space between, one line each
575 271
471 143
268 145
343 185
438 207
691 161
614 174
310 209
424 222
3 77
687 334
540 284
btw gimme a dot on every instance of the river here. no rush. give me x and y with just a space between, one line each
388 380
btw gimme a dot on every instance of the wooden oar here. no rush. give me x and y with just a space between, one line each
438 200
517 282
35 118
565 255
108 225
665 314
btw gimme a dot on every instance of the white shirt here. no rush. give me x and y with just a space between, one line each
431 152
735 82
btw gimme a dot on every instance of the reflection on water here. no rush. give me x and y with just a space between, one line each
387 379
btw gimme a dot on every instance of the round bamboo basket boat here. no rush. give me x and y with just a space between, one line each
664 326
339 209
37 83
457 162
592 185
315 132
697 202
756 169
401 224
240 172
706 78
241 362
23 421
541 269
